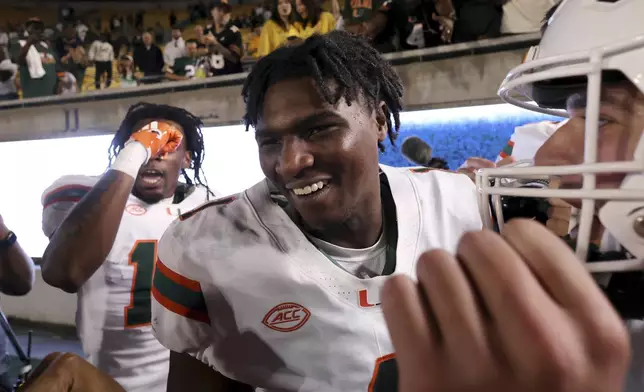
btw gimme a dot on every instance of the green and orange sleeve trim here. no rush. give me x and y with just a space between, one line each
178 294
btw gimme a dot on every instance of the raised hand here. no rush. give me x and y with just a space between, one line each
509 313
65 372
158 137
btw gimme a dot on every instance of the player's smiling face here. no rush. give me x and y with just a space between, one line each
324 159
158 178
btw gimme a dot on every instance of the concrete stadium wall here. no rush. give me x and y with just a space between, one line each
44 304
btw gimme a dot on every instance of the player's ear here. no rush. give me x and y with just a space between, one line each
382 114
187 160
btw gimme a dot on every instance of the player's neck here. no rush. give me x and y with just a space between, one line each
360 231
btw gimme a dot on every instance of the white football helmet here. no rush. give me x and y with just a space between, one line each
584 38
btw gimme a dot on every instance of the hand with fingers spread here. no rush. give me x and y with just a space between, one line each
509 313
65 372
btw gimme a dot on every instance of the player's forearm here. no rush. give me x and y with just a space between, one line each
16 269
84 239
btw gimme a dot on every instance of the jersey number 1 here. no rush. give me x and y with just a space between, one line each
142 256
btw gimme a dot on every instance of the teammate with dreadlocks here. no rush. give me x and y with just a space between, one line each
278 287
103 235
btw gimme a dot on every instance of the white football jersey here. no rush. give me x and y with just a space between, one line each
527 139
239 286
113 313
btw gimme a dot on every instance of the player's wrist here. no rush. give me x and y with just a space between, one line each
131 158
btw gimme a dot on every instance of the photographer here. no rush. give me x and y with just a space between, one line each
16 278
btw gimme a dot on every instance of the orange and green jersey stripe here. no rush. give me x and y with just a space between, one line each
178 294
507 150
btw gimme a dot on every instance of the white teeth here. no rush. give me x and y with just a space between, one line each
307 190
151 181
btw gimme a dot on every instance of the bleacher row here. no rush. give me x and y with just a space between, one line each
101 19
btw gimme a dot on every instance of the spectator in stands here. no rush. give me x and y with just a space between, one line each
185 67
201 40
102 54
172 18
121 43
252 44
16 278
524 16
379 21
76 62
8 81
389 26
224 42
314 20
37 62
4 42
355 14
115 23
477 19
127 76
81 33
279 28
138 20
149 60
67 84
159 33
137 40
434 23
175 48
65 39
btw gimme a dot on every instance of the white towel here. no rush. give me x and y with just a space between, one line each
34 62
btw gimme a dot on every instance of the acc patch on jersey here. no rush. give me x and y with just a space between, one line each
286 317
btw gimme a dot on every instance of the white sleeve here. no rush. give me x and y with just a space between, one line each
527 139
59 199
180 318
460 199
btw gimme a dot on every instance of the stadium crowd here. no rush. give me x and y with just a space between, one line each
71 55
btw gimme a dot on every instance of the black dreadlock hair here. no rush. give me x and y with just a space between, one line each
342 65
190 124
